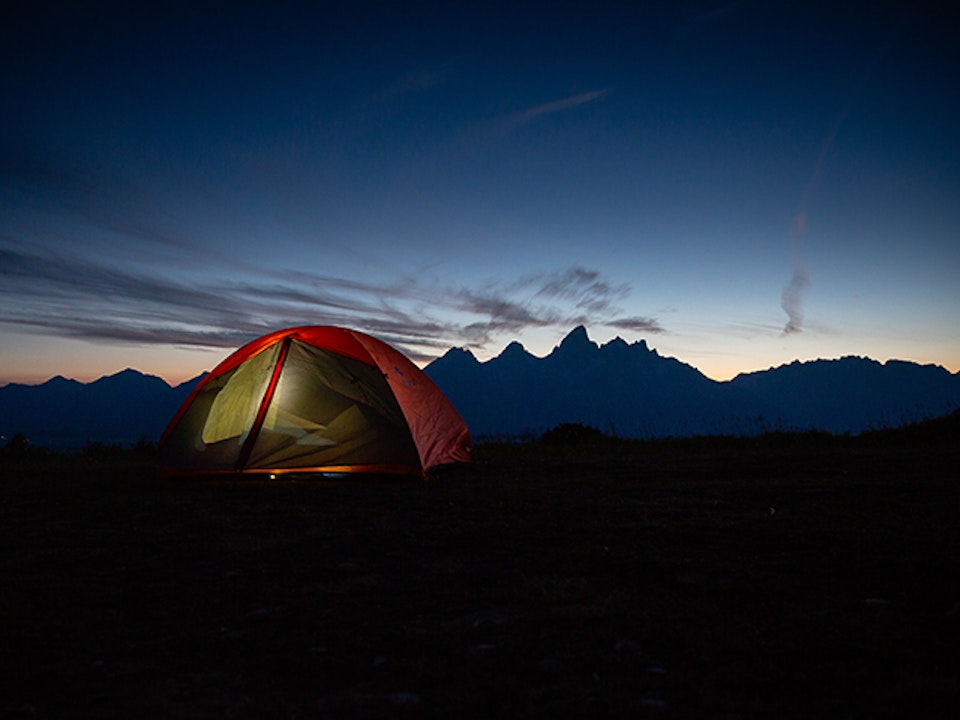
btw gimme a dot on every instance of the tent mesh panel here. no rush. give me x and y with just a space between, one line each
211 432
331 410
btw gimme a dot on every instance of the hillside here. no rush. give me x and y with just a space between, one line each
797 577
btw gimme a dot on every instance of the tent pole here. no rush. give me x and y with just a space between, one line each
264 404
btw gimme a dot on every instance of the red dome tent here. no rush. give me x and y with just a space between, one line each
315 400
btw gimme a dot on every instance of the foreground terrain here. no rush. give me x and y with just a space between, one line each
805 578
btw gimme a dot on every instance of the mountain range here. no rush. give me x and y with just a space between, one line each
631 391
64 414
624 389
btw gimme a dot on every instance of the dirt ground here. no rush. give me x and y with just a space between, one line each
673 581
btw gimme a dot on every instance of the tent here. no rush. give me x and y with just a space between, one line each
315 400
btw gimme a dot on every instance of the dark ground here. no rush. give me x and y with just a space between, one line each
712 580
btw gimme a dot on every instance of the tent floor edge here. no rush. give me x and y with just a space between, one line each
325 472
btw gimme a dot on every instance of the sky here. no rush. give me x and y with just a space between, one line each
742 184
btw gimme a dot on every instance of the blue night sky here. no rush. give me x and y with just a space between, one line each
742 184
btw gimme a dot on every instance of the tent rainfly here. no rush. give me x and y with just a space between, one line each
315 400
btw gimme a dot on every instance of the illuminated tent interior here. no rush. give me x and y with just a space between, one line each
315 400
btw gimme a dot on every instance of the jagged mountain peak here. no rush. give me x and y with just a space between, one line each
455 362
618 343
130 378
514 351
58 381
457 354
131 372
576 341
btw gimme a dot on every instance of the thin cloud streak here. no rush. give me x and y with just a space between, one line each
566 103
506 124
637 324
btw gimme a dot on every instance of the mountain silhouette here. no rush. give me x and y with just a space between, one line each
626 389
854 394
631 391
65 414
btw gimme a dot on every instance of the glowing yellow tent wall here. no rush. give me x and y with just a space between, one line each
315 400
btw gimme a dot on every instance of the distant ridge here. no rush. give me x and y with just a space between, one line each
631 391
624 389
120 409
853 394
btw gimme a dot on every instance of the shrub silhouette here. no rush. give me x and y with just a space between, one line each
17 445
573 434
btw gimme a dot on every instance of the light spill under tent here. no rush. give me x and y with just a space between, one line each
315 400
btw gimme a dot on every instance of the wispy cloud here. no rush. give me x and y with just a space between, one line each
574 296
556 106
77 297
160 298
637 324
791 300
506 124
585 288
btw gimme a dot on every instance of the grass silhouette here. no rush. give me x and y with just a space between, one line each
577 574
